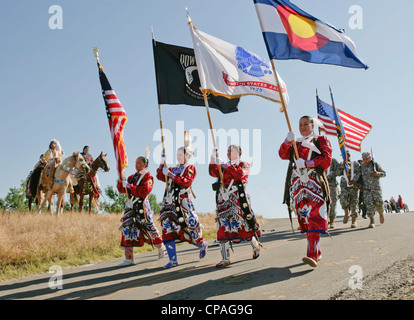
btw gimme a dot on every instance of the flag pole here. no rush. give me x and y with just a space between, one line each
342 141
163 146
317 98
208 115
159 113
284 107
213 137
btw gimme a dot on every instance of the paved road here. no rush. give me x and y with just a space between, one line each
277 274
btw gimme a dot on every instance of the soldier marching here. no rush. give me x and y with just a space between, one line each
371 173
350 184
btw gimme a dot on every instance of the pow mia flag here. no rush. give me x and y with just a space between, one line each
178 81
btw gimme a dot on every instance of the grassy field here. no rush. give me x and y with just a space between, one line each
30 242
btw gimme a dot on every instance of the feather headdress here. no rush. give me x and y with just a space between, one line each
187 143
147 153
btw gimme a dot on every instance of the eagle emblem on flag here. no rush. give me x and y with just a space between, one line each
252 64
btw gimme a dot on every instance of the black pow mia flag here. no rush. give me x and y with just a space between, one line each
178 81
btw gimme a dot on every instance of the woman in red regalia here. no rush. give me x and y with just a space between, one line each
308 187
235 218
137 224
178 217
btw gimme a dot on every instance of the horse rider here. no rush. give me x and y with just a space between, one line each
89 159
53 157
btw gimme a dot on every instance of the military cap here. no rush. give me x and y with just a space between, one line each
366 155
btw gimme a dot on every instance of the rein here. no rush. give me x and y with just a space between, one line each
66 168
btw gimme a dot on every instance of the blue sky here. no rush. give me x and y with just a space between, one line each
50 87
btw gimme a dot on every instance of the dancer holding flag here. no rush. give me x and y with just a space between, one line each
235 218
232 71
178 217
137 225
291 33
307 183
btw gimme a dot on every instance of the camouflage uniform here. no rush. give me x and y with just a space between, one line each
350 193
333 172
371 188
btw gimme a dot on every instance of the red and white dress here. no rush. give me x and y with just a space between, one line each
231 224
140 187
306 193
171 228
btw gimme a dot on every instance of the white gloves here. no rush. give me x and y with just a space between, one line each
215 160
167 172
125 184
300 163
291 136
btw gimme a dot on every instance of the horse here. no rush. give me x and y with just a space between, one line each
86 184
61 181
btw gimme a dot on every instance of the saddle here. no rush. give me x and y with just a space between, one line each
47 175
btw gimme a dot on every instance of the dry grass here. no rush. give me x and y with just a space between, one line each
30 243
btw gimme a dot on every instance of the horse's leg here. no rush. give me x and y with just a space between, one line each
50 202
30 203
90 203
72 201
81 196
48 196
59 204
39 198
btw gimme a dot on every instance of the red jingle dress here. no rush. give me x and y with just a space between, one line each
231 224
307 197
141 187
171 229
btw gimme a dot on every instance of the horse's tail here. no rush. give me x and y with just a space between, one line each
73 199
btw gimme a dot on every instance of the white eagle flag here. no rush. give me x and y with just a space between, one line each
231 71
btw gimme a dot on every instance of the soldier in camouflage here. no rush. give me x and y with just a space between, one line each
350 190
371 173
333 171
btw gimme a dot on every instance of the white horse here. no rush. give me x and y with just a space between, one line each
61 179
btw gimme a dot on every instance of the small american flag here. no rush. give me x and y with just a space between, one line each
354 129
117 119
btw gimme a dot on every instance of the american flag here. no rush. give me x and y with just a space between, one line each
117 119
354 129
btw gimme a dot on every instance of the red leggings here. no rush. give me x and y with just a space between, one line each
313 250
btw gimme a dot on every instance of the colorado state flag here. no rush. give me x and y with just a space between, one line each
291 33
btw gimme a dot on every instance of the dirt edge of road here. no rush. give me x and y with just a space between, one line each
394 283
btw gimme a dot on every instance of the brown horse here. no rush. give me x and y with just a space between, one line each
87 184
61 179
